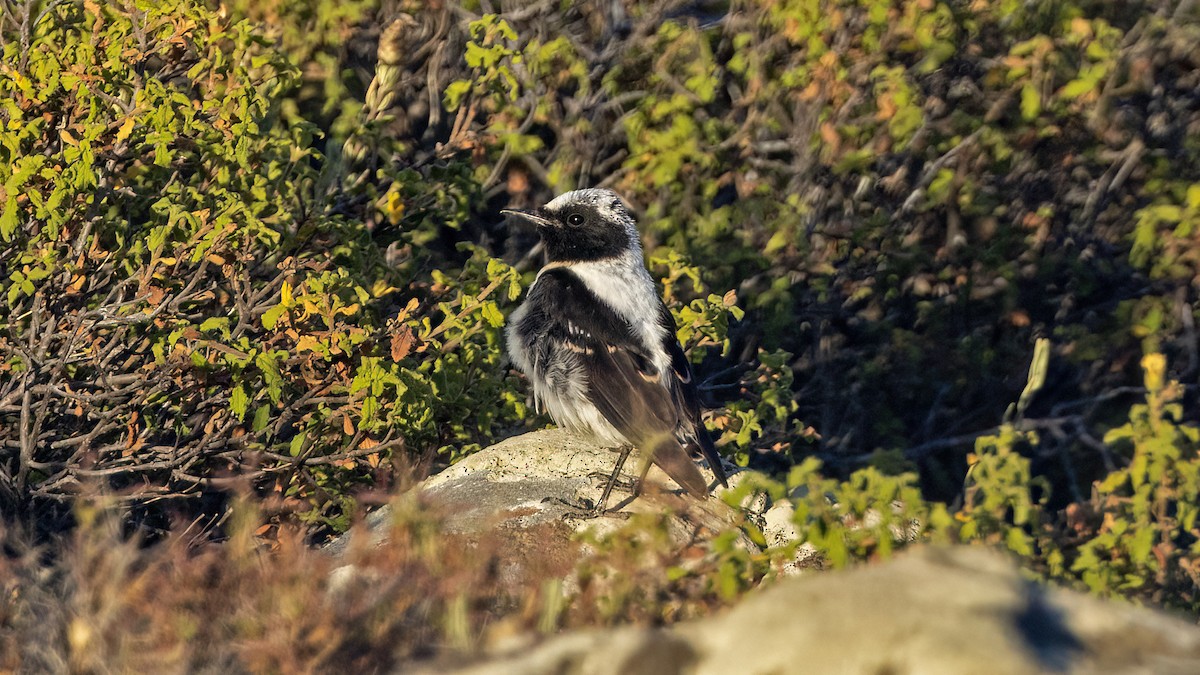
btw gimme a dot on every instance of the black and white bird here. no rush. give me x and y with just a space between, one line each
599 345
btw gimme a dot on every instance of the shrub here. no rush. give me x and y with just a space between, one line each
1136 536
1139 532
181 308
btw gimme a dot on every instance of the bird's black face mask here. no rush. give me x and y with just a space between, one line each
576 233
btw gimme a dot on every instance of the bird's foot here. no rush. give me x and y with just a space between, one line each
586 509
632 485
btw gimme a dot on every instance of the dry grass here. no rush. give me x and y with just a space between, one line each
101 603
261 600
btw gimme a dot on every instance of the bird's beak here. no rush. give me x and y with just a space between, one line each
536 216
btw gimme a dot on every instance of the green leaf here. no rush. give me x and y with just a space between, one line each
455 91
477 56
370 404
271 377
297 444
215 323
262 417
1076 88
492 314
9 218
1018 542
505 30
1193 196
238 401
1141 546
270 318
1031 102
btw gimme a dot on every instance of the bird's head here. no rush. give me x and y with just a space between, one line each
584 225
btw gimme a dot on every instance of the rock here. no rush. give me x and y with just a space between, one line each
779 530
931 610
534 489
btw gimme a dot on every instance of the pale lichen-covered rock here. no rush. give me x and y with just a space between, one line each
535 489
952 611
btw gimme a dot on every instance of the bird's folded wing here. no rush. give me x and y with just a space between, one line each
636 403
683 387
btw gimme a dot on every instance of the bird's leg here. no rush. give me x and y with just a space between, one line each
641 479
602 505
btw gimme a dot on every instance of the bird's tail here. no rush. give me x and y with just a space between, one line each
705 444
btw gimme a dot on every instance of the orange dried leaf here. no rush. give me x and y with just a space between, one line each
402 343
156 296
887 108
829 135
518 182
131 428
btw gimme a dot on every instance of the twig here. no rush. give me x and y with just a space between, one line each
932 169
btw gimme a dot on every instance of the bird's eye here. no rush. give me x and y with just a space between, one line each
575 220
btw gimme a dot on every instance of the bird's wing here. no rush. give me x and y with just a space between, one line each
641 402
683 387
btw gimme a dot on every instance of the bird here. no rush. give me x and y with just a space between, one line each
598 343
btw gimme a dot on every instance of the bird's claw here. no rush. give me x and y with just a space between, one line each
586 509
629 485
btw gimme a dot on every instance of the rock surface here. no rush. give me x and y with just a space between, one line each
952 611
541 476
535 489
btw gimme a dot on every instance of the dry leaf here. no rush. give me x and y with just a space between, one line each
887 107
131 431
518 182
402 343
408 310
156 296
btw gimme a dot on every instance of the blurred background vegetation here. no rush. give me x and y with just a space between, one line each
254 247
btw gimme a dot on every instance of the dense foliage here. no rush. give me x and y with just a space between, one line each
196 294
183 303
255 246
